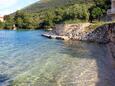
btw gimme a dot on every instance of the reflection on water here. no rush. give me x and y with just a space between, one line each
27 59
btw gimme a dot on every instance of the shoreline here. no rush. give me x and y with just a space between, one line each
110 48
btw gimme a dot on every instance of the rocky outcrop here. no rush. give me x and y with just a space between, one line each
51 36
83 32
65 31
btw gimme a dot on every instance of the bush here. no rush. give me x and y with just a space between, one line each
1 25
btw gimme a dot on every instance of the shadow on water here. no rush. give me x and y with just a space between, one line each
3 78
98 52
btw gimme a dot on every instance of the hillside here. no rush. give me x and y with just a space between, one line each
47 13
45 4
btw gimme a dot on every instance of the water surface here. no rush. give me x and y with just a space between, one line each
28 59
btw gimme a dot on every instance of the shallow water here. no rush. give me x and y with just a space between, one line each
28 59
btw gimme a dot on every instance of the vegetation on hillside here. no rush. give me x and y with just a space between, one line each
1 25
47 13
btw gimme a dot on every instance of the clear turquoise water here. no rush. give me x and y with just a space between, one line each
28 59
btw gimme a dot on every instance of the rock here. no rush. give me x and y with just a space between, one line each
55 36
79 32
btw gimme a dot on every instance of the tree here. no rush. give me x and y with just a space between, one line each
49 17
97 13
59 14
8 22
77 11
26 20
19 22
18 18
1 25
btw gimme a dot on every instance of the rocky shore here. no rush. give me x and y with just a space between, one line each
82 32
102 34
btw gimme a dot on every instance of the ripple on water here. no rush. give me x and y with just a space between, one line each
32 60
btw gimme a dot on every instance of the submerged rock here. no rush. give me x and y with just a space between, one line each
3 78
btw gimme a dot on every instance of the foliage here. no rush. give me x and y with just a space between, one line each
47 13
25 20
1 25
97 13
77 11
62 14
99 9
8 24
